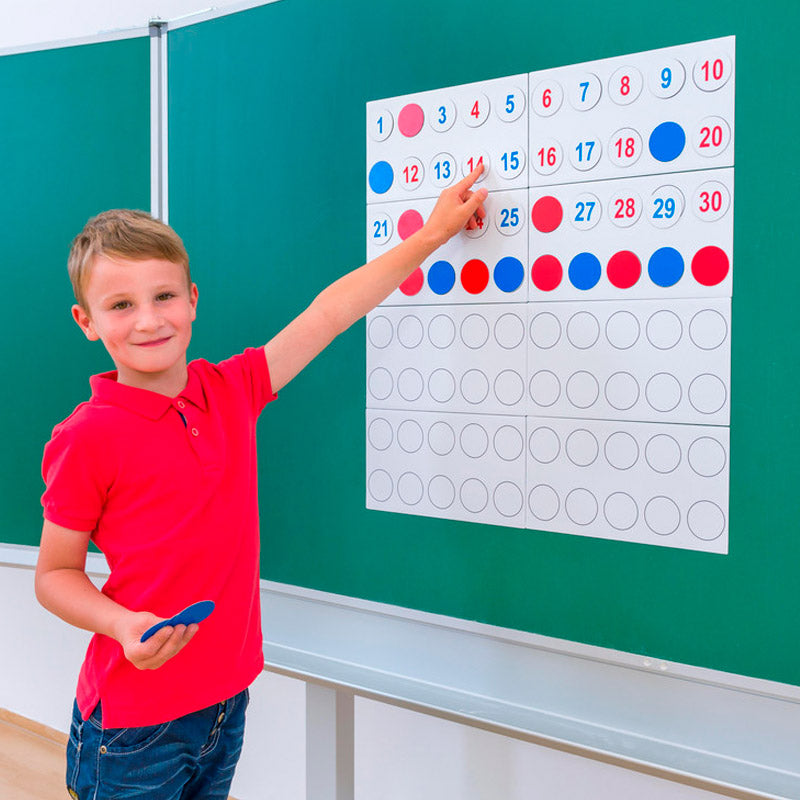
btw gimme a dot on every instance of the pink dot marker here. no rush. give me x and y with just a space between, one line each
547 214
413 283
410 222
547 273
624 269
710 265
410 120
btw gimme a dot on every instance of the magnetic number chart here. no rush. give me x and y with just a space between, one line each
566 366
419 144
660 111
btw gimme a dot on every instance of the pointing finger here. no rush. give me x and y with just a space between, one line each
467 182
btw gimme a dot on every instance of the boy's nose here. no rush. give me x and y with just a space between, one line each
148 318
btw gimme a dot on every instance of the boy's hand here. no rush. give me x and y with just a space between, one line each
458 208
159 648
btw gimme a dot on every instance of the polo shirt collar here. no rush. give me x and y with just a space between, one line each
151 405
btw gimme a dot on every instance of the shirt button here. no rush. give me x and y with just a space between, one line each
103 750
181 404
195 432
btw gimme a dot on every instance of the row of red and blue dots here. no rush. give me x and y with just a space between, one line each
665 267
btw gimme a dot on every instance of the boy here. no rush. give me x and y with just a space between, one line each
159 470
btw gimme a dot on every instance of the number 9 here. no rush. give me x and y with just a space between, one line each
666 77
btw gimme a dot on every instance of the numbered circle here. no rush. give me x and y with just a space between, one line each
411 174
479 230
443 170
625 85
546 98
475 110
625 147
471 162
510 104
711 201
625 208
380 228
711 137
547 156
585 92
666 206
667 78
511 163
442 115
380 124
586 211
711 72
509 220
586 153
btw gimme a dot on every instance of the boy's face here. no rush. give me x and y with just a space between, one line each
142 311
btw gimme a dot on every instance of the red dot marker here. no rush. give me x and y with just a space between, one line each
410 222
413 283
710 266
547 214
475 276
410 120
547 273
624 269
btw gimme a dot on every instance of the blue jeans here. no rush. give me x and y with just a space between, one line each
189 758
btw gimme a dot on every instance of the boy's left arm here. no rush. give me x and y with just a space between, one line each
348 299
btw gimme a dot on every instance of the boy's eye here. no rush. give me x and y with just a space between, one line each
120 305
165 296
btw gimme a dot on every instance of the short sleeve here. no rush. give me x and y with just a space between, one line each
251 369
76 490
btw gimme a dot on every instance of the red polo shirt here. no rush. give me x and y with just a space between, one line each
168 487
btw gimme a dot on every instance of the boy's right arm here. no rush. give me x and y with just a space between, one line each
64 588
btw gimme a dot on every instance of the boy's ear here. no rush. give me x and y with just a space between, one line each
193 301
84 322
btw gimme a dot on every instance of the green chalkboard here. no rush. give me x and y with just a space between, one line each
74 139
267 187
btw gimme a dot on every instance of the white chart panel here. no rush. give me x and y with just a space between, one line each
421 143
488 265
641 361
635 482
447 358
659 111
457 466
663 236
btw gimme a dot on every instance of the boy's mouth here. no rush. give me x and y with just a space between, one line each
154 342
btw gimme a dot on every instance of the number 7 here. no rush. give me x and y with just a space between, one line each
585 85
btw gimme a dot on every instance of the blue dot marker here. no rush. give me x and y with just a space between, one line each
441 277
381 177
196 612
667 141
584 271
665 266
509 274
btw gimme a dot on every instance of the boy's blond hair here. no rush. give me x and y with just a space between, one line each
124 233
